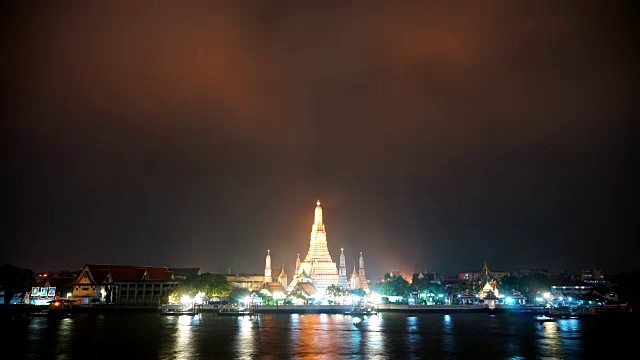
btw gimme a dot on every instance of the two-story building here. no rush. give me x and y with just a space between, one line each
123 284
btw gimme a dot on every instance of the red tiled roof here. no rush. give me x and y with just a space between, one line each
307 288
274 286
128 273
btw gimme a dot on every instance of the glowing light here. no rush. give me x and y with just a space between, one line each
186 299
198 298
375 298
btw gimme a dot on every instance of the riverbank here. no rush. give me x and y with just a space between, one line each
25 310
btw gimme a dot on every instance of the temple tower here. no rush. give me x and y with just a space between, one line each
318 264
282 278
355 279
342 272
363 278
267 268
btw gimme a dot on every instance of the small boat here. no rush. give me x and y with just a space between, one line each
543 318
561 312
61 307
234 311
362 310
177 309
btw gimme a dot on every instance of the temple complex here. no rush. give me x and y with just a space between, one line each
490 286
318 268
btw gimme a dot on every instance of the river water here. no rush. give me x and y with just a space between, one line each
315 336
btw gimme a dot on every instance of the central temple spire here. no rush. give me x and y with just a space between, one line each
318 264
317 222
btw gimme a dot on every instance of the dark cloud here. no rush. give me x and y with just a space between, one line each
437 135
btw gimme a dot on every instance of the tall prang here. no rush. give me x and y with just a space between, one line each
267 268
322 270
342 271
282 278
361 274
355 279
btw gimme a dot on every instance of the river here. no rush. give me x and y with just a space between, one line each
315 336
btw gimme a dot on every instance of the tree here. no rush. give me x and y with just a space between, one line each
395 285
436 290
530 285
15 280
296 294
509 283
209 284
358 292
421 284
239 293
335 291
461 286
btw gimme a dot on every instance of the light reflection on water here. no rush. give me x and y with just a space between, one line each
312 336
448 338
63 338
184 336
557 338
375 341
413 334
245 339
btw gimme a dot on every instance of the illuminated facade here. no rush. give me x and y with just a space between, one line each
120 284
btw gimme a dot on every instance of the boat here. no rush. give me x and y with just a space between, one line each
362 310
583 312
560 312
234 311
177 309
544 318
61 307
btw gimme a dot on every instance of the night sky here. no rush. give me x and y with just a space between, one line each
437 135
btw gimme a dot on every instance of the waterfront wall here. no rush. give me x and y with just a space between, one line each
341 309
430 308
267 309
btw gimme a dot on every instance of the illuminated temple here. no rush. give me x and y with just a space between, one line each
318 268
318 265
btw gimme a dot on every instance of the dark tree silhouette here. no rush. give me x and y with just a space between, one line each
14 280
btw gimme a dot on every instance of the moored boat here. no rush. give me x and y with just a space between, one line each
234 311
544 318
61 307
362 310
177 309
